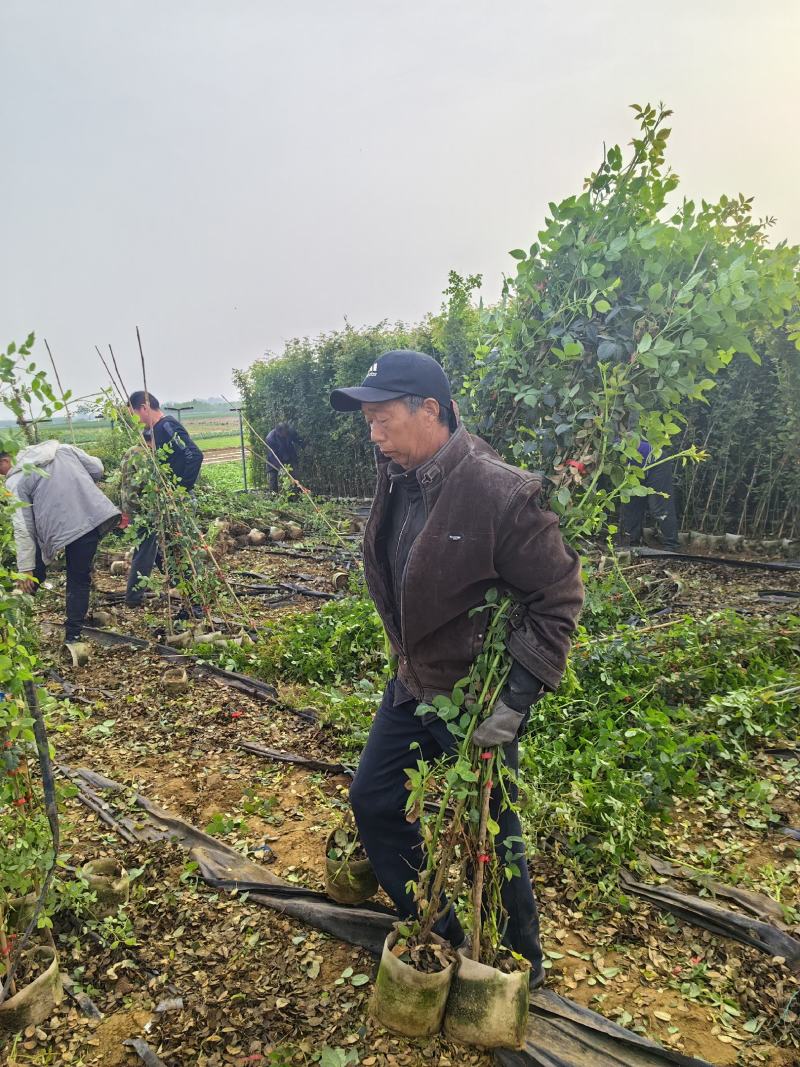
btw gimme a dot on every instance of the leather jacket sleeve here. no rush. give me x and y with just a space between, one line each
544 576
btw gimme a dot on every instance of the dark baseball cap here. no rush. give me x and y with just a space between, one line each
402 372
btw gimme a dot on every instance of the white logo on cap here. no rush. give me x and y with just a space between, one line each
372 370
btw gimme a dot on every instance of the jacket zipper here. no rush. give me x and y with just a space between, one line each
402 597
399 586
373 518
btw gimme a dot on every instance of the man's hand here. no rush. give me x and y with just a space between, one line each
510 714
27 583
500 727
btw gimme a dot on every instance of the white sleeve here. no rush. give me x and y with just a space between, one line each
24 536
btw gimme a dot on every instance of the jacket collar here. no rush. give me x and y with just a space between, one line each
432 473
433 470
39 455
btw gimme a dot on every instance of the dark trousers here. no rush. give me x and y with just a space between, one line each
80 558
274 480
661 508
147 555
378 797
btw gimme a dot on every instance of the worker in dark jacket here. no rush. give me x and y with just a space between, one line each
170 438
282 446
176 450
450 521
658 476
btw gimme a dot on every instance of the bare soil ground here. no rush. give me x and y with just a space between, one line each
208 978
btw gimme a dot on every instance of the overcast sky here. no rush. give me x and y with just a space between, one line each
228 174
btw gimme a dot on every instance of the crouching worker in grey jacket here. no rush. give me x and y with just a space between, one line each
62 510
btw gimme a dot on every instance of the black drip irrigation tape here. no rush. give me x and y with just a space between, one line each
292 757
560 1032
725 561
285 590
244 683
320 557
782 751
758 904
304 590
68 690
316 765
720 921
83 1000
144 1052
224 868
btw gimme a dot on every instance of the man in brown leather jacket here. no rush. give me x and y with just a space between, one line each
450 520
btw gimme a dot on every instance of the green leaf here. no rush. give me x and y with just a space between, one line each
645 343
359 979
333 1057
602 306
662 346
655 291
517 253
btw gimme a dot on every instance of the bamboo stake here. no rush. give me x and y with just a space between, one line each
742 528
708 502
115 385
61 390
144 372
480 863
116 368
172 514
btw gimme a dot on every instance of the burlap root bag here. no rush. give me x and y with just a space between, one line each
408 1001
487 1007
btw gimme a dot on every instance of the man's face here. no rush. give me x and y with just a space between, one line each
5 466
399 434
143 413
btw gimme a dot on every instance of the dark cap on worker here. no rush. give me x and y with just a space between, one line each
401 372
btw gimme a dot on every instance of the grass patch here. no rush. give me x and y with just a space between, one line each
224 440
224 477
643 717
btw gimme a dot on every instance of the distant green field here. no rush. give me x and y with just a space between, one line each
211 425
223 441
83 433
208 431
